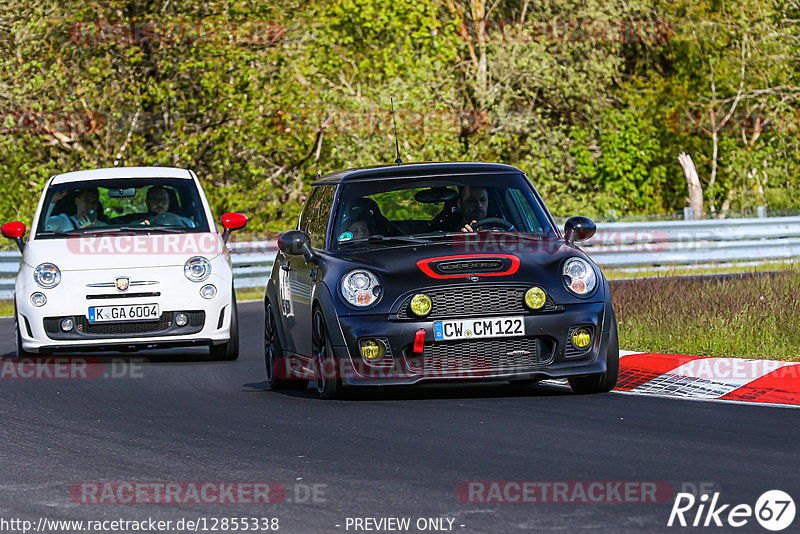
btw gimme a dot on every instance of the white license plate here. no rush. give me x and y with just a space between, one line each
479 328
131 312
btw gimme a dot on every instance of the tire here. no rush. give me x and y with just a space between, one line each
328 387
229 350
603 382
274 362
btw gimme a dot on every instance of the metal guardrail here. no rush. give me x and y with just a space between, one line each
627 244
695 242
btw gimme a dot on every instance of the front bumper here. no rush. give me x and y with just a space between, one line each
544 352
209 320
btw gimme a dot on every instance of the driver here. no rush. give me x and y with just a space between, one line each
158 201
473 203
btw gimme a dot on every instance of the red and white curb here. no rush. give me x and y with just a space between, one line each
697 377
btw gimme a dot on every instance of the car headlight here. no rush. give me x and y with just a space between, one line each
47 275
360 288
579 276
197 269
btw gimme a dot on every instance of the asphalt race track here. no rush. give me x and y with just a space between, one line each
175 416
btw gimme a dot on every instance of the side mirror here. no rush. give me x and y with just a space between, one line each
579 229
231 222
16 231
296 243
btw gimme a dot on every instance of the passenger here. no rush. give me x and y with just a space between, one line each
87 206
359 228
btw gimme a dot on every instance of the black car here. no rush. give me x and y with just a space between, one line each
437 271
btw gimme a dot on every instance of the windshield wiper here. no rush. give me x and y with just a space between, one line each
385 238
451 235
116 230
51 233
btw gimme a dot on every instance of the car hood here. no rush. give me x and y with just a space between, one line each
126 251
406 268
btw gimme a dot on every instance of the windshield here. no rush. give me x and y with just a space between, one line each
403 211
129 204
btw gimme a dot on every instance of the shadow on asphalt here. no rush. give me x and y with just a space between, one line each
153 356
425 392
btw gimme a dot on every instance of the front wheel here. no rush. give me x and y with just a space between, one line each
329 385
604 382
229 350
274 360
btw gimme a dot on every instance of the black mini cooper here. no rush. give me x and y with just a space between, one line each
438 271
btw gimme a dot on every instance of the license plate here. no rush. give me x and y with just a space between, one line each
479 328
131 312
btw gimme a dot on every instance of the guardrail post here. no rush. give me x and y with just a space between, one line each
762 212
688 214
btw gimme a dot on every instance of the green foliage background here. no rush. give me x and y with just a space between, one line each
258 97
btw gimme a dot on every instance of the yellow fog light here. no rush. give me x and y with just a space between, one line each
421 304
371 349
535 298
581 338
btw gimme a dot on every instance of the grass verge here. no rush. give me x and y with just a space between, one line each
747 316
627 273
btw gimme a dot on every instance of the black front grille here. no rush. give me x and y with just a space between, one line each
465 301
133 327
123 295
84 329
482 356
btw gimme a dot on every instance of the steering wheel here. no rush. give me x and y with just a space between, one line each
493 221
165 219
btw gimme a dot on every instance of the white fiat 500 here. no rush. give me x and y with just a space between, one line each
124 259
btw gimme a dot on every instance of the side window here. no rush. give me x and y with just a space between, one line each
316 214
518 200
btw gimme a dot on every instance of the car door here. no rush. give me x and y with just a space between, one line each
298 275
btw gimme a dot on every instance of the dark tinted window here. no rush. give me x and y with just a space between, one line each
144 204
317 211
430 207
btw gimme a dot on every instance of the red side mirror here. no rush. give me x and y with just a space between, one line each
233 221
15 230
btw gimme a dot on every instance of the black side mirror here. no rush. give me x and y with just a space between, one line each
296 243
579 229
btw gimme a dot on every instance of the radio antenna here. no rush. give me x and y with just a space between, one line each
396 144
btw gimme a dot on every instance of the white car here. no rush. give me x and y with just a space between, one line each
125 259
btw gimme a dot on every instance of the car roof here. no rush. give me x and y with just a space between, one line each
122 172
415 170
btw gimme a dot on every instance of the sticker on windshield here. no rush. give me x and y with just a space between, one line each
345 236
